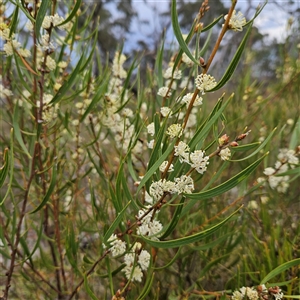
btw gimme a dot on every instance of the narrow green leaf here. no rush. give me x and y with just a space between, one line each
72 14
50 189
246 147
178 34
174 220
188 239
147 286
67 84
25 11
128 194
158 64
10 158
289 172
37 242
17 131
170 263
152 170
280 269
4 168
203 130
212 24
233 64
159 133
262 145
208 266
96 98
227 185
112 273
71 247
23 75
295 138
187 40
206 44
88 290
14 21
40 17
115 224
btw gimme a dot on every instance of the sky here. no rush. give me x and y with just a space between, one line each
272 20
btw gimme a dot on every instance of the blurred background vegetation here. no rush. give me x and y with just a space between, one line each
266 86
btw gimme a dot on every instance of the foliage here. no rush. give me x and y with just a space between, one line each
118 183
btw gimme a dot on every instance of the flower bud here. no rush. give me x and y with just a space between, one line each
223 139
233 144
202 61
241 136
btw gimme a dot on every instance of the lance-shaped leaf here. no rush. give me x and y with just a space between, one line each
280 269
68 84
88 289
17 130
178 33
4 168
155 166
40 17
222 188
232 66
175 219
115 224
72 14
262 145
50 189
8 163
188 239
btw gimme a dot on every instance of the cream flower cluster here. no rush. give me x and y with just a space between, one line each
205 82
183 184
259 293
54 21
188 97
225 154
50 111
237 21
11 44
286 159
136 261
196 159
117 246
148 227
245 293
117 121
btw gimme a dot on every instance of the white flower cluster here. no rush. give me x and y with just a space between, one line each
175 130
49 110
54 21
164 91
182 184
168 73
4 91
259 293
205 82
11 44
148 227
237 21
225 154
117 121
196 159
188 97
286 159
245 293
136 261
117 246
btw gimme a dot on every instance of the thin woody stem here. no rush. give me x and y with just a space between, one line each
222 33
